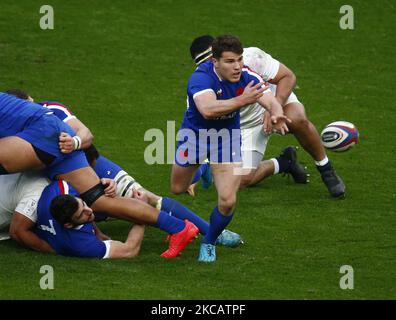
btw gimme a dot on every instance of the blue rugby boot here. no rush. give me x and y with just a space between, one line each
207 253
229 239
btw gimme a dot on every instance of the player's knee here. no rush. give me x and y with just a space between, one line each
178 188
299 122
296 113
227 203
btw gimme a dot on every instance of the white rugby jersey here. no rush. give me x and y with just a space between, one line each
267 67
20 192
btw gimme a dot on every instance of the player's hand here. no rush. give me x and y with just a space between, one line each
140 195
279 124
267 124
66 143
252 92
110 187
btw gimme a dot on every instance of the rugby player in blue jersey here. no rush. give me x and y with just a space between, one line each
29 139
65 222
210 129
22 222
254 139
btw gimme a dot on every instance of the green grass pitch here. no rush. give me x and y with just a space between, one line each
122 66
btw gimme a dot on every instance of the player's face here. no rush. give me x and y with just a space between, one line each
83 214
229 66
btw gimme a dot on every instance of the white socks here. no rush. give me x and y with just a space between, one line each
276 165
323 162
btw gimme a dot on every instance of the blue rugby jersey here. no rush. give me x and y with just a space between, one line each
80 241
59 109
205 79
16 114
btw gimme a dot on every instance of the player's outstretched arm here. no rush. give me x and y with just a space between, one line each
285 80
278 119
131 247
21 231
210 107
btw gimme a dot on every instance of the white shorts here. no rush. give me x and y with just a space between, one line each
253 140
292 98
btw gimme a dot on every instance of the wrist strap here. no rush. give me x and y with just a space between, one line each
77 142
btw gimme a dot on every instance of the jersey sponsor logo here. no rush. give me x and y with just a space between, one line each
219 92
49 228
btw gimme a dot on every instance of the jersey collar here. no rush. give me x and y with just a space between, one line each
214 70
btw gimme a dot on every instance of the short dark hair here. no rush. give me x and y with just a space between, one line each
63 207
200 44
18 93
226 43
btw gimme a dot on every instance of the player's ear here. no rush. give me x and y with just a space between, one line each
68 225
215 62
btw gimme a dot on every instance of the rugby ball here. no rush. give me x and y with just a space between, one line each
339 136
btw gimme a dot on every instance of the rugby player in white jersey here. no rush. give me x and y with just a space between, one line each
19 195
253 118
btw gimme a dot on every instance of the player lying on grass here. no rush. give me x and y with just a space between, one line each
22 192
78 237
29 140
254 138
66 223
126 185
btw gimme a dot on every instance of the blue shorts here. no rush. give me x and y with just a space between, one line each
43 133
219 146
105 168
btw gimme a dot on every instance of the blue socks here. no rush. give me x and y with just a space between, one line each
201 170
218 223
177 210
169 223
